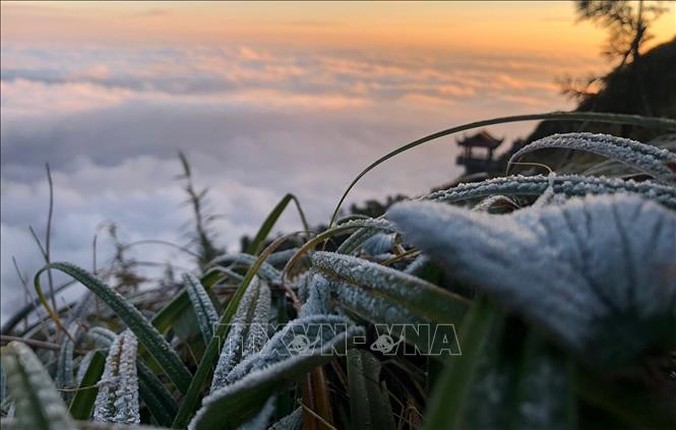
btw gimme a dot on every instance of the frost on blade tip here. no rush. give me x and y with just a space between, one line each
303 336
248 330
117 400
319 295
599 273
204 309
642 157
569 185
102 336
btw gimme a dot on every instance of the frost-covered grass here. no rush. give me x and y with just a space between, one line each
561 290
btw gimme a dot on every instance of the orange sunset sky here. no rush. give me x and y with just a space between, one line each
498 25
265 98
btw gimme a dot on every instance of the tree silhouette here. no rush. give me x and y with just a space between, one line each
627 23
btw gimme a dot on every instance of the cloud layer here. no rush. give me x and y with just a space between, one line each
255 123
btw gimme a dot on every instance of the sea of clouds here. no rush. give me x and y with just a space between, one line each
255 124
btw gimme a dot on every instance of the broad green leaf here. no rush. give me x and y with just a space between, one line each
117 400
644 158
149 337
83 402
204 309
38 404
289 355
157 399
450 395
369 406
598 273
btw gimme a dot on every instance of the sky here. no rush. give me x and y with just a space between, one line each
265 98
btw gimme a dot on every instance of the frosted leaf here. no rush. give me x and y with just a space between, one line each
64 368
37 403
570 185
497 201
117 400
367 229
402 290
266 271
293 421
102 336
280 258
281 361
248 330
319 295
599 273
204 309
379 243
645 158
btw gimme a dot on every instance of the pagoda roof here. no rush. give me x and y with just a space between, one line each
482 139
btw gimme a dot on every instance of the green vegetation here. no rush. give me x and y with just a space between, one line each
516 302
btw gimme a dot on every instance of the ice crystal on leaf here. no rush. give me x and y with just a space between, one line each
598 273
248 330
117 400
645 158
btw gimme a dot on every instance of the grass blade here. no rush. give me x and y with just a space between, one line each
149 337
611 118
258 242
83 401
450 392
158 400
369 408
204 309
117 399
38 404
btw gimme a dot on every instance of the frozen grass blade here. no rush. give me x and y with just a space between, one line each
568 185
205 311
282 361
149 337
38 404
596 273
611 118
192 397
117 400
644 158
401 290
248 331
64 368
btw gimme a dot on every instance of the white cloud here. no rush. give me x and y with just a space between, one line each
254 123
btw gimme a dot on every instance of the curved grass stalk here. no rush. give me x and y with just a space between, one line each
204 309
612 118
258 242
